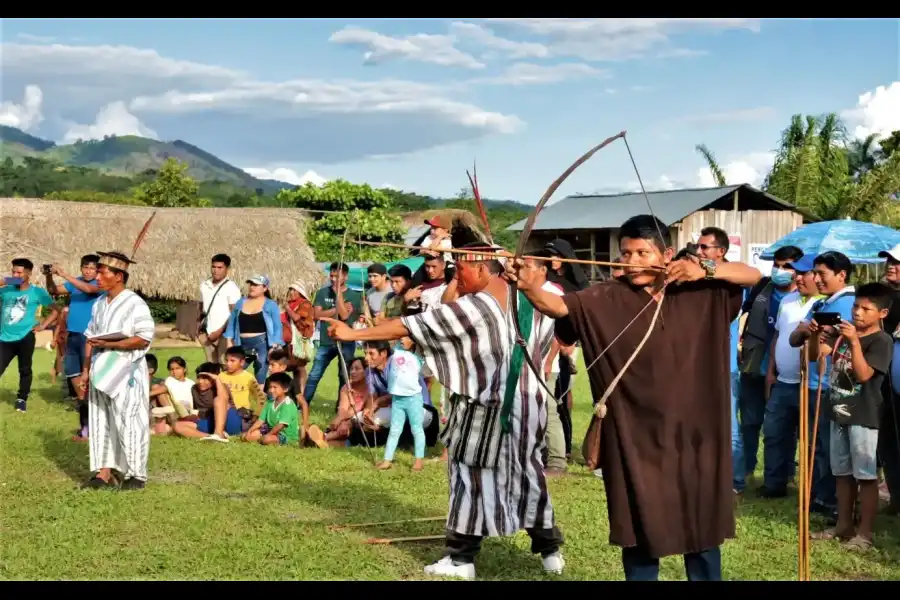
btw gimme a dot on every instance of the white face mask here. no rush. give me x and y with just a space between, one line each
782 277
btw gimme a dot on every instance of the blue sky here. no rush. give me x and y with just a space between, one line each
411 103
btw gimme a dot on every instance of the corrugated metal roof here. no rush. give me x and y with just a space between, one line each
414 233
610 211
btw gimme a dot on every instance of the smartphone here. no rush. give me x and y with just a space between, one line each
46 268
827 318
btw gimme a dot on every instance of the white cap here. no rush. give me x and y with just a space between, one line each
298 287
893 253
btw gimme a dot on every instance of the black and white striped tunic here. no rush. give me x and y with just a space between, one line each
468 345
119 392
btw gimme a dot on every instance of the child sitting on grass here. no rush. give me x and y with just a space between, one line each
216 418
277 425
247 396
861 356
160 403
403 371
179 386
278 363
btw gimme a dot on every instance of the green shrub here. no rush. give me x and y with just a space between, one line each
163 311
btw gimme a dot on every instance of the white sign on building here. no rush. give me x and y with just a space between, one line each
765 266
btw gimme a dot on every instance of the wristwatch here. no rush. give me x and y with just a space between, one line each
710 267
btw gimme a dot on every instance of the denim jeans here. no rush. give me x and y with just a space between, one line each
752 408
824 485
780 435
737 445
260 364
324 356
73 359
699 566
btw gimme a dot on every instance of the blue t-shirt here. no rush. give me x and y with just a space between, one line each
774 305
18 314
80 307
842 304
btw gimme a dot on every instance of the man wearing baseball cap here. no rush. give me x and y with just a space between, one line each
782 408
889 443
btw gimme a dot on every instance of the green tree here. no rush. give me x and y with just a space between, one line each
889 145
499 216
172 187
367 214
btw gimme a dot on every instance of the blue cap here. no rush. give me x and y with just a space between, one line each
259 280
804 265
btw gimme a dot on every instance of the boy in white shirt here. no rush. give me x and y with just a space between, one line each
403 371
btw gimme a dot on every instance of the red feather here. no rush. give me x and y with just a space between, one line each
473 181
142 235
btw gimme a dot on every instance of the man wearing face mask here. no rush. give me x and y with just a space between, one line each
761 307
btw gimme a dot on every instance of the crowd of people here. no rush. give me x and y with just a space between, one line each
502 339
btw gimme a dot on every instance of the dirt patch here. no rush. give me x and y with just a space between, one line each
173 477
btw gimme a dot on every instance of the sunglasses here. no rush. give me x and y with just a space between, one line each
706 247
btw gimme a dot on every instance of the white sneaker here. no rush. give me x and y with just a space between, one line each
447 568
554 563
214 438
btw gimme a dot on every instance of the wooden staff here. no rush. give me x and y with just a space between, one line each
803 489
418 538
574 261
416 520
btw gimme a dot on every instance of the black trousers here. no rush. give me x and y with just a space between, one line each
24 351
563 381
464 548
889 446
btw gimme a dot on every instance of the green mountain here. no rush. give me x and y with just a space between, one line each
131 155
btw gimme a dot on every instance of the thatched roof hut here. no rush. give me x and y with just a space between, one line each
466 226
174 257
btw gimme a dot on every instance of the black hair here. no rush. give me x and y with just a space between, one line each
24 263
494 266
222 258
178 361
152 363
379 345
432 257
835 261
282 379
647 227
377 269
90 259
879 294
720 236
116 271
237 351
208 367
339 265
788 253
279 356
400 271
357 359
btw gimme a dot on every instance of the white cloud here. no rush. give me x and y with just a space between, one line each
286 175
532 74
113 119
751 168
743 114
224 110
620 39
35 39
488 39
23 116
876 112
426 48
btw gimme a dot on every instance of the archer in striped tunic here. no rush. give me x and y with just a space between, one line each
117 380
497 424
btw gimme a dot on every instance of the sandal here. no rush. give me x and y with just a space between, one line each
829 534
858 543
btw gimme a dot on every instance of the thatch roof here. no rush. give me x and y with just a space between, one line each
174 257
466 226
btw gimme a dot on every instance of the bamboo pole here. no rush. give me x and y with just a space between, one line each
803 489
576 261
416 520
418 538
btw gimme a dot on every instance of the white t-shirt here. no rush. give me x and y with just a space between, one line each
431 297
217 315
445 244
553 288
181 391
403 372
791 312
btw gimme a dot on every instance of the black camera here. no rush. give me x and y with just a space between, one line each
46 268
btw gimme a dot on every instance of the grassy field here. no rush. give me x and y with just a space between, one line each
241 511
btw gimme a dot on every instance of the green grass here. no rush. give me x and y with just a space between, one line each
241 511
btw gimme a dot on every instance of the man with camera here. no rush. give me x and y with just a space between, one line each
82 292
19 303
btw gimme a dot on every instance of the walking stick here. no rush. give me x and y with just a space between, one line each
803 489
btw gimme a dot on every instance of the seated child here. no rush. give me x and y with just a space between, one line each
278 363
403 372
246 394
277 425
159 398
216 417
180 386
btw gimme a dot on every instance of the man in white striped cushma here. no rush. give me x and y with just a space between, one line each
496 427
117 380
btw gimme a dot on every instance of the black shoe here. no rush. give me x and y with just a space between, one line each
767 492
95 483
21 405
133 484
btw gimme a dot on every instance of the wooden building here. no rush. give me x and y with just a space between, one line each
751 217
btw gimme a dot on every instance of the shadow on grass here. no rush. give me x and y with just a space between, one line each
360 503
68 456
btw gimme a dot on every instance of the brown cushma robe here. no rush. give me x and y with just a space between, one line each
666 438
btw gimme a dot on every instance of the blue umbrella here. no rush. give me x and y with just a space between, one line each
860 241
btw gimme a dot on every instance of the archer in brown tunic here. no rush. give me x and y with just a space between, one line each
666 437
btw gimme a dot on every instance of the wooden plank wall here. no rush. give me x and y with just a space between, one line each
754 226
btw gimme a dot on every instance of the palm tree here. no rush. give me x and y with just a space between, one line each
862 155
718 175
